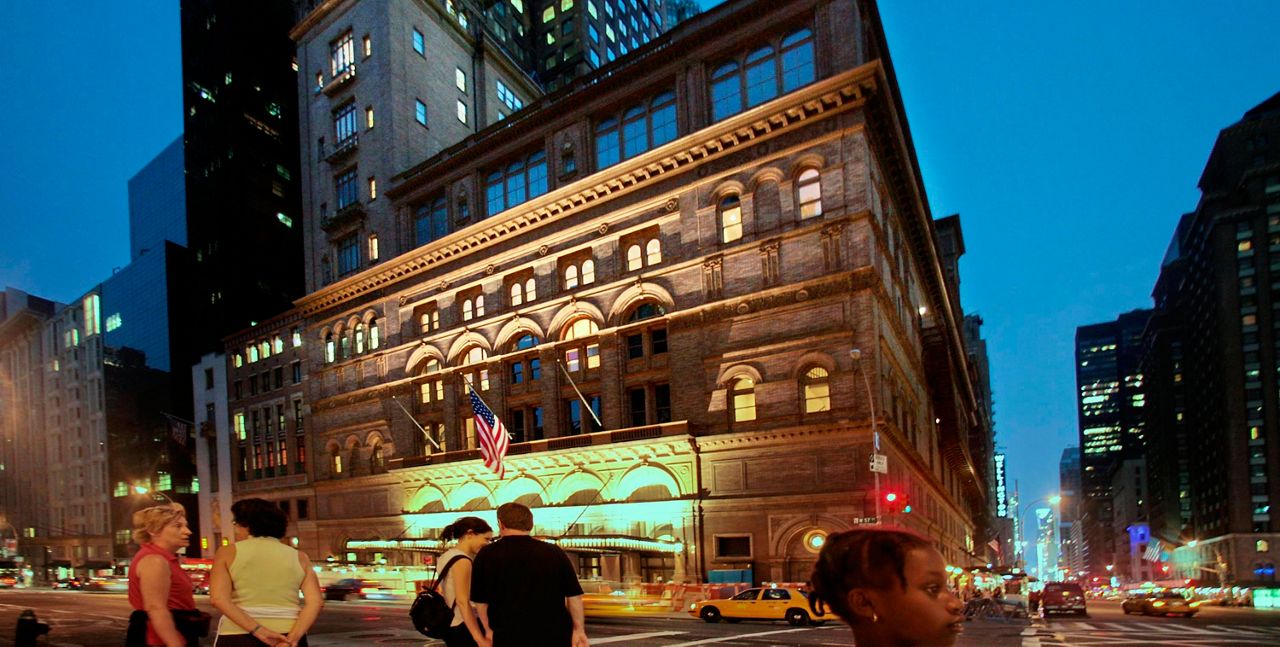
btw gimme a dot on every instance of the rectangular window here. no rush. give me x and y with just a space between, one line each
373 248
368 46
420 111
507 97
635 130
658 341
297 372
303 508
635 346
342 54
373 189
431 221
462 111
419 43
278 376
579 420
636 400
733 546
345 187
348 255
662 402
368 117
344 126
460 79
517 372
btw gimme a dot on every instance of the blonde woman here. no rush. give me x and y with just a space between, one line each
160 592
255 582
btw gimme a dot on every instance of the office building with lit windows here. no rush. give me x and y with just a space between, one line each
1110 399
685 245
1214 413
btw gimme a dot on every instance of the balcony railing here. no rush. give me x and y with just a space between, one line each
343 77
561 443
344 148
346 215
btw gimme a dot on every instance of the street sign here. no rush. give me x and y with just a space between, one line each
880 463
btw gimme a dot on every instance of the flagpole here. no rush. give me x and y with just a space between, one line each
471 386
581 397
415 423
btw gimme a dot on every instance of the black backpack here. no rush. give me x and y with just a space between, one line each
430 614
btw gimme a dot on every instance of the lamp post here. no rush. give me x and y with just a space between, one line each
856 355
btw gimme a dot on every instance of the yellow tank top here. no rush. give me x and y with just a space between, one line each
265 577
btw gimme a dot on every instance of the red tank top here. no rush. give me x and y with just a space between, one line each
181 595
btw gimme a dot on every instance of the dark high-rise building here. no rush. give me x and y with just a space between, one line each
240 120
1214 413
1110 398
1069 510
158 202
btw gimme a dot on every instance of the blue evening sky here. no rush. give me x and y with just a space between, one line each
1069 136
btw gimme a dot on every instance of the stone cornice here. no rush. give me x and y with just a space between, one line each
838 93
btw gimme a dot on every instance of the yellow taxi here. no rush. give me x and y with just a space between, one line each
766 603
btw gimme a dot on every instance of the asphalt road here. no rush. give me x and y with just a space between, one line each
93 619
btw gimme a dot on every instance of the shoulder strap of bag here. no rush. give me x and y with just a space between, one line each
445 572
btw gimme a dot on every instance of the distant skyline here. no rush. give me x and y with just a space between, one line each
1069 138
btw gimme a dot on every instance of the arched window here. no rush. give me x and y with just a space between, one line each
742 399
266 349
765 73
480 305
478 377
374 339
344 345
653 252
817 390
376 460
359 338
335 460
328 348
571 277
635 259
530 289
730 219
525 342
809 194
238 360
586 354
253 354
278 345
588 272
646 310
468 310
517 294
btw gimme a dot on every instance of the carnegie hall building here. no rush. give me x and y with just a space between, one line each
687 244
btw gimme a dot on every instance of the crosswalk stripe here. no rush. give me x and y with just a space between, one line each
735 637
618 639
1083 625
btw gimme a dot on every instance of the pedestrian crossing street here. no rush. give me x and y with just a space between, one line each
1067 632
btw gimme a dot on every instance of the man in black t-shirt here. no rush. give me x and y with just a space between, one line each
525 590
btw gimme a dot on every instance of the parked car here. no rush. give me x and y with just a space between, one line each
773 603
1161 603
71 583
1062 597
8 581
351 589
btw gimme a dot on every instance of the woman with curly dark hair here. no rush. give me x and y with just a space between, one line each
889 585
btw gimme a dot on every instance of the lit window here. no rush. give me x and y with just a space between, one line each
462 111
742 395
565 5
571 277
635 260
588 272
328 348
730 219
817 390
809 192
342 55
373 247
460 79
368 117
530 291
360 338
368 46
548 14
517 294
373 189
653 252
420 111
419 44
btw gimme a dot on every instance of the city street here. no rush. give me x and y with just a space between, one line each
89 619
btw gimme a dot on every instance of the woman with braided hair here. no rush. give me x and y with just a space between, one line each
889 585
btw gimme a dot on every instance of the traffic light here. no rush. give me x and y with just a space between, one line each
891 497
897 502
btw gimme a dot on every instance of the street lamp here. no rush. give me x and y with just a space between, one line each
142 489
855 354
1053 500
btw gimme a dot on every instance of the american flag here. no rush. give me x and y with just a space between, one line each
491 435
1154 550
